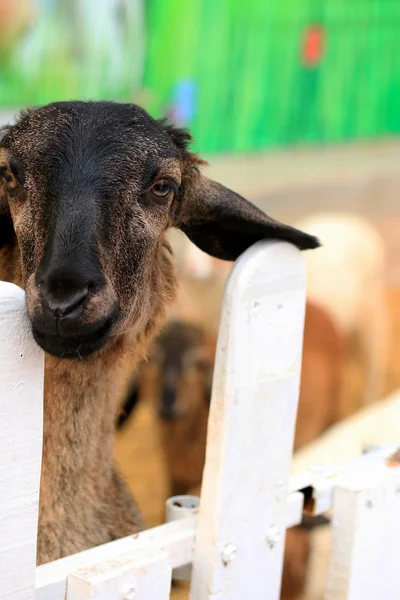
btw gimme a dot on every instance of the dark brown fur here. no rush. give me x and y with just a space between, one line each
82 215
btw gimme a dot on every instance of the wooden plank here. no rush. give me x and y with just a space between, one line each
140 575
322 480
294 509
363 561
175 539
240 537
21 431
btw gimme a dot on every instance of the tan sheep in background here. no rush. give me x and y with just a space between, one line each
201 284
346 279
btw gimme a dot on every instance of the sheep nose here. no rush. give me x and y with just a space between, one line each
64 301
168 404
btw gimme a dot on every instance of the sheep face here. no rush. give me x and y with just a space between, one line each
88 190
177 376
181 366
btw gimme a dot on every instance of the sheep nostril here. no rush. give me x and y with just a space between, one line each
64 304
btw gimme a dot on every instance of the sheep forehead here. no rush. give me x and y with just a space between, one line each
115 136
179 344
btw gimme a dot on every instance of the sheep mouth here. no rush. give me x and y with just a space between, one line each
168 415
76 346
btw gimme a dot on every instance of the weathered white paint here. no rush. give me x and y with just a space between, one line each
21 422
141 575
323 480
110 564
175 539
240 537
364 561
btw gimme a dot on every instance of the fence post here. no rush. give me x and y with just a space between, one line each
241 532
21 425
363 560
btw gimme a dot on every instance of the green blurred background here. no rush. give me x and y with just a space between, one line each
245 75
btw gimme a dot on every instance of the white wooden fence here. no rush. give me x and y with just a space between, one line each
236 542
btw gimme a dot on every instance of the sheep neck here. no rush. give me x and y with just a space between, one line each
79 416
83 502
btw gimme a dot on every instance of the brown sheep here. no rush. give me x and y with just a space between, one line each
180 372
88 190
347 280
178 377
321 376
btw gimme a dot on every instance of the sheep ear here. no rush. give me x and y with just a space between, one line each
224 224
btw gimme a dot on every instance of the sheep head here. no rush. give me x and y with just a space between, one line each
87 192
180 367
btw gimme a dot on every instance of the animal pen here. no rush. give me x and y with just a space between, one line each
236 541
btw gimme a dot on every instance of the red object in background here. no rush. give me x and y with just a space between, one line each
313 46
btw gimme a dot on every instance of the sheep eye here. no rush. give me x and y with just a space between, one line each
161 188
200 364
9 179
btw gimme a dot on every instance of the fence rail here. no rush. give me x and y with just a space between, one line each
248 500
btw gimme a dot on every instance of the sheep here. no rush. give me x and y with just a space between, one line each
88 190
346 278
180 369
321 375
190 261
